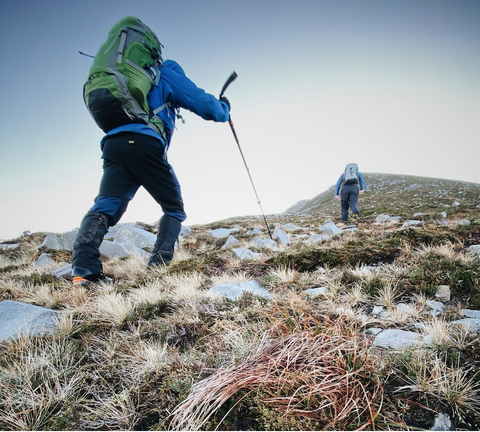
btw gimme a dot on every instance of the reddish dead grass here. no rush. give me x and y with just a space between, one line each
322 371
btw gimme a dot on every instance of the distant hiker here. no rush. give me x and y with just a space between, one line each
135 154
349 185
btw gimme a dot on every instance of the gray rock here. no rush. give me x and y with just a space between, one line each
262 243
51 241
330 229
231 241
290 227
316 238
314 292
245 254
64 271
18 318
255 231
443 293
119 250
8 246
377 310
394 338
186 230
470 313
44 260
437 307
409 223
233 291
474 249
443 423
403 307
223 232
464 222
135 236
473 324
383 218
280 235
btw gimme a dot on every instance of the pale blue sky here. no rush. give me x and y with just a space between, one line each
391 85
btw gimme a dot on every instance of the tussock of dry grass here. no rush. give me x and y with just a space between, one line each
42 379
432 377
324 376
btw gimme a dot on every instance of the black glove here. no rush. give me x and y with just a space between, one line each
224 99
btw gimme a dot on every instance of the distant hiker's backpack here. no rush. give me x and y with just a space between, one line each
351 174
124 71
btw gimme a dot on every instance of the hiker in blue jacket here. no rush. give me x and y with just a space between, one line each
349 185
135 155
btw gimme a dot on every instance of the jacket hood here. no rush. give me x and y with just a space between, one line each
174 66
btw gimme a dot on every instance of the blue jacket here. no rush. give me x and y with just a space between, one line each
179 91
361 183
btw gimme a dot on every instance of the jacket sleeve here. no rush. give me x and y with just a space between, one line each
184 93
339 183
362 181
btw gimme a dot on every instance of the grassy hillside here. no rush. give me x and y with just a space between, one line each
399 195
157 350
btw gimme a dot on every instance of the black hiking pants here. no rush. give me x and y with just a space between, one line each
349 199
130 160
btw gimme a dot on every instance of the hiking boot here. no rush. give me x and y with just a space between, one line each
164 248
355 217
85 278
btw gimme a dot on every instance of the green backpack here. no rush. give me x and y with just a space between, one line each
123 72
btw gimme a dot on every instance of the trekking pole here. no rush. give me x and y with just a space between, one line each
230 79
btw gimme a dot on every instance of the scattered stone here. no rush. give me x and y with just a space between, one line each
63 272
395 338
418 214
349 228
470 313
245 254
280 235
19 318
474 249
119 250
223 232
51 241
255 231
409 223
290 227
464 222
135 236
383 218
377 310
316 238
314 292
262 243
231 241
473 324
402 307
186 230
437 307
8 246
330 229
233 291
44 260
443 423
443 293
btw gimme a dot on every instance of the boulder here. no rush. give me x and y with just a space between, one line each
18 318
